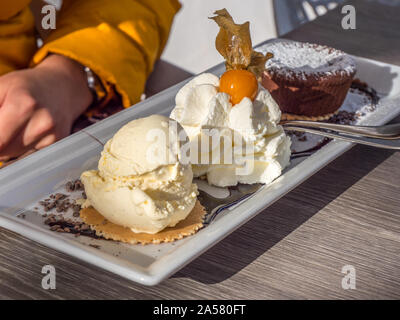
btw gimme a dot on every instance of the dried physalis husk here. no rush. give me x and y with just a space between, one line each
233 42
258 60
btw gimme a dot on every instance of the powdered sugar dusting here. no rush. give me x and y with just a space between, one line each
302 60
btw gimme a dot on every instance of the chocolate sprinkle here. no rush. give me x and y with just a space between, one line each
76 185
344 117
59 224
61 203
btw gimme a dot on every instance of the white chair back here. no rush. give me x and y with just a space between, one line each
290 14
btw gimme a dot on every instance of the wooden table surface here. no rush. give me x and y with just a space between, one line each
347 214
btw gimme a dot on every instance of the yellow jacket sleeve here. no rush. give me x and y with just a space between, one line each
17 40
119 40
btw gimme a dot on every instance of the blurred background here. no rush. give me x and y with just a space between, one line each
191 43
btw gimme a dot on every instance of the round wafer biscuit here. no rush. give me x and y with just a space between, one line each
290 116
111 231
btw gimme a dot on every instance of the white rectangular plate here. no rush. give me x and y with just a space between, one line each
29 180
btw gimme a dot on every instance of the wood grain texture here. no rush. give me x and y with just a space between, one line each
348 213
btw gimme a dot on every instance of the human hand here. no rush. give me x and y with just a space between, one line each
38 106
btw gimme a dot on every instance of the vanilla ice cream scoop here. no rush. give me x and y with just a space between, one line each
201 107
141 182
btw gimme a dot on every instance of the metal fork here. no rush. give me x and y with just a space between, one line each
214 206
381 136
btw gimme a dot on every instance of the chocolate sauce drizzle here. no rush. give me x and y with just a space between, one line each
342 117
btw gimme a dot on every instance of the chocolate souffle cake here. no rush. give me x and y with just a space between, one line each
308 81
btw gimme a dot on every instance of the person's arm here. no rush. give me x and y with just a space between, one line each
119 40
38 106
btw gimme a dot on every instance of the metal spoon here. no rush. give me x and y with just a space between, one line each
373 142
390 131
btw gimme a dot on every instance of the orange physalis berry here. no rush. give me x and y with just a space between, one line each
239 84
